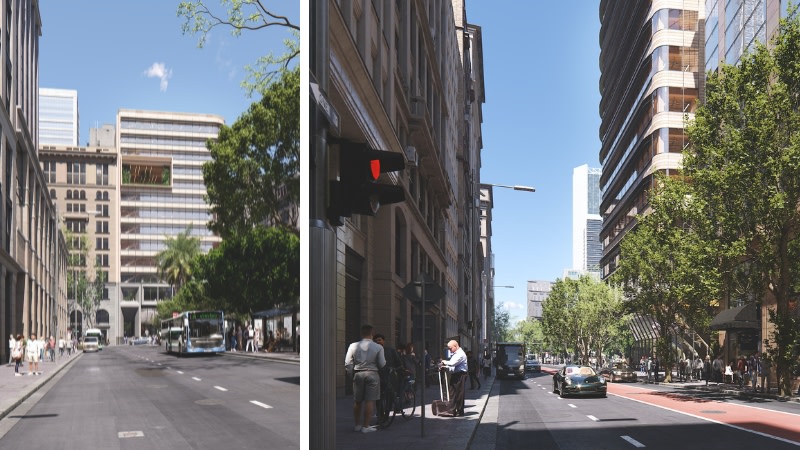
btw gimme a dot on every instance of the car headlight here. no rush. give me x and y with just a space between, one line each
522 367
567 381
602 380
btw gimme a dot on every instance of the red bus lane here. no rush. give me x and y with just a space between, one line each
785 426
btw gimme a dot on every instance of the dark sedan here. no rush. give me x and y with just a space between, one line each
578 380
619 372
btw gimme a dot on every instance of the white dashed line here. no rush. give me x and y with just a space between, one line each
196 379
129 434
633 441
179 372
221 388
594 418
572 406
257 403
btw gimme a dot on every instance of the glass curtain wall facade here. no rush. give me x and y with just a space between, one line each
161 195
58 117
650 57
586 221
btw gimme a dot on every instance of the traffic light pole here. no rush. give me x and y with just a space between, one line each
321 254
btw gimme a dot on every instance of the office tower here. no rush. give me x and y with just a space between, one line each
650 79
58 117
32 249
161 195
586 220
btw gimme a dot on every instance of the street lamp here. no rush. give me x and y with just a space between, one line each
515 187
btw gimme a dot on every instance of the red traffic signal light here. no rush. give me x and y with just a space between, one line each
357 191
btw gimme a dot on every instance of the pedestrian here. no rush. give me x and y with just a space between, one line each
698 368
270 345
707 369
16 354
61 345
33 354
741 369
257 339
487 366
11 344
250 335
233 339
718 367
649 368
472 369
410 361
51 348
390 372
238 338
362 361
457 365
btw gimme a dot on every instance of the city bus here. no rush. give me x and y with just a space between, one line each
194 332
95 332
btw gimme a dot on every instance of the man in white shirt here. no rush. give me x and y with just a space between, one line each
363 359
457 364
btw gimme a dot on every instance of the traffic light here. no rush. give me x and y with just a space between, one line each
357 191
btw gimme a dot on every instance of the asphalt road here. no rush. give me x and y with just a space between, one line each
139 397
635 415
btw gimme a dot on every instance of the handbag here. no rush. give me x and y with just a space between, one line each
16 353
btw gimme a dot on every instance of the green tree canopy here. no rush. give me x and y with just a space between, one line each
243 15
253 271
667 270
581 315
744 159
255 160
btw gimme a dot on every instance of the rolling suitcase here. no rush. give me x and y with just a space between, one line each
442 407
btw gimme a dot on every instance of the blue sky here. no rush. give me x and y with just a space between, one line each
133 54
540 121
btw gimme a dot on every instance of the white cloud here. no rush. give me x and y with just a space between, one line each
511 306
159 70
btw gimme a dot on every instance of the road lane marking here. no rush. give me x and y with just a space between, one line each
221 388
196 379
572 406
594 418
179 372
129 434
633 441
257 403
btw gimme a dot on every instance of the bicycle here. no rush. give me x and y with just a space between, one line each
393 402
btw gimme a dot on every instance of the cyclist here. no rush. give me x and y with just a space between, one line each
389 373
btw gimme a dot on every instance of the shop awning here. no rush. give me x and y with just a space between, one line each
743 317
275 312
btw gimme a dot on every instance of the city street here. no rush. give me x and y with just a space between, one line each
636 415
140 397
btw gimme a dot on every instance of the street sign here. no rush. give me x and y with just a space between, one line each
432 291
326 107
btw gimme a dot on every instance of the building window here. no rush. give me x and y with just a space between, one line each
102 174
76 173
101 227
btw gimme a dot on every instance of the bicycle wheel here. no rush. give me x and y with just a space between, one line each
386 409
409 401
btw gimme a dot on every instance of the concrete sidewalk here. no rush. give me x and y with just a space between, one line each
286 357
14 390
440 432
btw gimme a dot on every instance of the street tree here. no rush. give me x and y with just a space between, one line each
582 316
85 286
200 18
175 261
252 271
744 159
502 325
255 165
667 270
530 332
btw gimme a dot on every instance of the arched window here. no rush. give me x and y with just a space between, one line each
69 195
101 316
83 195
53 194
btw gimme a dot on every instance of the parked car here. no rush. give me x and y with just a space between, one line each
579 380
90 344
618 372
532 364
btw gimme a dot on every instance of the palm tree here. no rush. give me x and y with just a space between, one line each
174 262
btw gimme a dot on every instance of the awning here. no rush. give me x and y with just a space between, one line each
743 317
275 312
